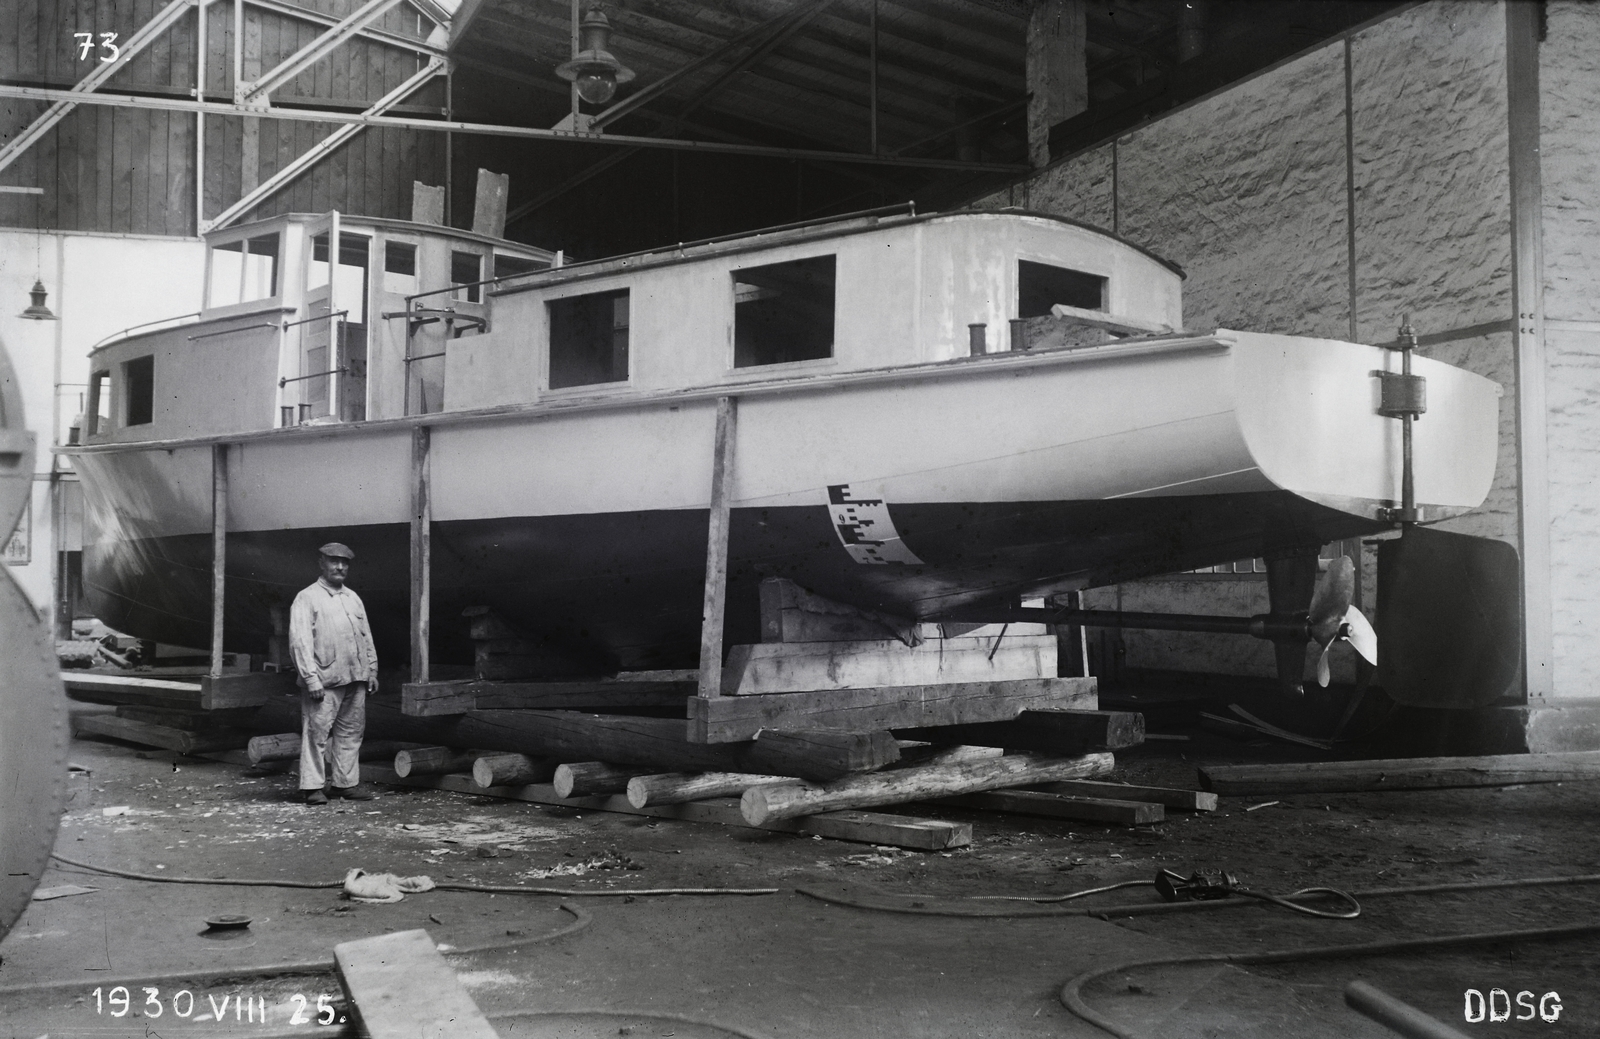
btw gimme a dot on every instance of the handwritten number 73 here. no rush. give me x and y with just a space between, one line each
107 43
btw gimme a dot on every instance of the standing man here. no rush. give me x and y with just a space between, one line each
332 647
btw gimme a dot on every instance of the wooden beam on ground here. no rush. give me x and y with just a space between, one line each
435 699
434 761
512 770
658 744
789 613
730 718
794 752
285 746
246 689
182 718
671 788
867 827
763 803
219 551
1188 800
1329 777
122 688
1057 732
400 987
164 736
590 778
1059 806
421 552
794 667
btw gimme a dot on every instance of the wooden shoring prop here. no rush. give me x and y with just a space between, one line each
716 591
219 550
421 550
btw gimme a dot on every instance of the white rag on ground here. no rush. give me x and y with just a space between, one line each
361 886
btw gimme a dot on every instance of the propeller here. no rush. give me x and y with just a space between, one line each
1332 617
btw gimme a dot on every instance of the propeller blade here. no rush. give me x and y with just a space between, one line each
1331 600
1358 630
1324 675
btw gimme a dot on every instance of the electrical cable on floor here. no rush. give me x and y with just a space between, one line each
1283 900
492 889
1150 908
581 920
1072 998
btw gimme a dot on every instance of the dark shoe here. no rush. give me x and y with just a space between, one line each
359 792
316 797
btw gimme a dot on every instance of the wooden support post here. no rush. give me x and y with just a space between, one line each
219 550
512 770
421 551
716 598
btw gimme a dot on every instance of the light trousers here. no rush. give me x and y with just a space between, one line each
331 727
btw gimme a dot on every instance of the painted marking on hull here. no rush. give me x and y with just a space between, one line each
865 529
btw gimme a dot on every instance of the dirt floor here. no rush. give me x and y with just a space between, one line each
790 963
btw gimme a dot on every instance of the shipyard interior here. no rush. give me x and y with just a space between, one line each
799 518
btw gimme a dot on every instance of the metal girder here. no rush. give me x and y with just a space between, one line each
256 93
131 48
324 147
313 115
369 33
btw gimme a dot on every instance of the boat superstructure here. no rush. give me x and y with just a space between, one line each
934 412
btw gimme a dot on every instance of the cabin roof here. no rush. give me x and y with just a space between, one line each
789 234
406 226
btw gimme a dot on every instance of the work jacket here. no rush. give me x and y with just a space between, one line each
329 637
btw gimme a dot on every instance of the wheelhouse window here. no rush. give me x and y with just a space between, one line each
97 413
139 389
783 312
244 270
466 270
350 274
589 339
1041 286
505 266
400 268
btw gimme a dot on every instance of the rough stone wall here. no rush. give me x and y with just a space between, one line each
1569 69
1433 204
1248 192
1080 188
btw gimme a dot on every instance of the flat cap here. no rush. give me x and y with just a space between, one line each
335 550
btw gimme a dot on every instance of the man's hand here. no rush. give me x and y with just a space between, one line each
372 685
315 694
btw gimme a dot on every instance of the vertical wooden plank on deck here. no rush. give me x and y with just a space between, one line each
1527 291
716 591
421 549
219 550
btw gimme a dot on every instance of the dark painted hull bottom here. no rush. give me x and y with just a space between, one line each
624 590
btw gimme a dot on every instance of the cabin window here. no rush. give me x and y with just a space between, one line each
466 269
350 276
505 266
783 312
589 339
139 389
400 268
98 411
1041 286
244 270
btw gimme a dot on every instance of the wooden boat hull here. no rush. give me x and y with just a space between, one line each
584 522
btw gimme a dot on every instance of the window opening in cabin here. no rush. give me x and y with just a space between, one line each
346 355
400 268
139 380
783 312
505 266
589 339
98 411
244 270
465 269
1041 286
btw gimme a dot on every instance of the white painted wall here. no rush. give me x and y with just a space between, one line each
98 285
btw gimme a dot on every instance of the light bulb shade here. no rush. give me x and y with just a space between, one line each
37 311
594 69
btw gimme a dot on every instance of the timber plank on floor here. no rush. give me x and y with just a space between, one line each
729 719
1326 777
1171 797
867 827
401 988
166 737
1061 806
